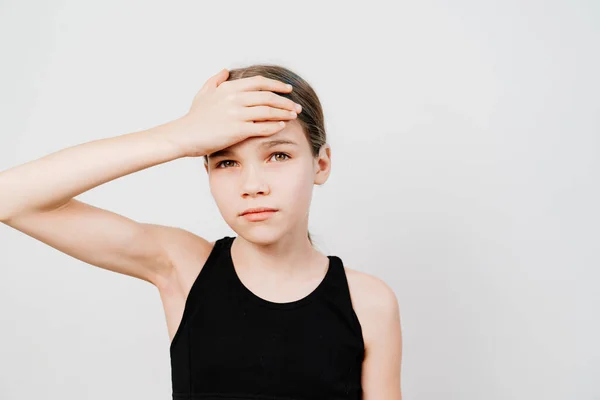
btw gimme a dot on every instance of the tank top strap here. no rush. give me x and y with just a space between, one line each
209 270
194 297
337 282
338 292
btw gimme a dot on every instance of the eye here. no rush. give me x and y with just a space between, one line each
283 154
218 165
222 164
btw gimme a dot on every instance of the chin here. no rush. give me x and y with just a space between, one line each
260 235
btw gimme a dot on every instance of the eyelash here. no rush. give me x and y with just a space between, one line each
218 165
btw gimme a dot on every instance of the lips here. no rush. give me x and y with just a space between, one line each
258 210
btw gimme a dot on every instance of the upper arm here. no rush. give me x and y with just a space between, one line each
383 352
105 239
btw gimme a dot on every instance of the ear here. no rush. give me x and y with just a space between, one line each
323 164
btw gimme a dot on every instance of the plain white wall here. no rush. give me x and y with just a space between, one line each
466 171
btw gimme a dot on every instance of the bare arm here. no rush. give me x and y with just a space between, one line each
381 377
37 199
51 181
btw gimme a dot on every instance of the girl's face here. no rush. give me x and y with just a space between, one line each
276 171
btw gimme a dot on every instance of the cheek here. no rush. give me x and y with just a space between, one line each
222 193
297 189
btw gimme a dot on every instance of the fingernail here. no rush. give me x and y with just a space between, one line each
298 107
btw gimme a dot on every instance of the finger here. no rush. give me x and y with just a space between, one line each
259 82
267 98
262 128
261 113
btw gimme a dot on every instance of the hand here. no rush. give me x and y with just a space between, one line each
226 112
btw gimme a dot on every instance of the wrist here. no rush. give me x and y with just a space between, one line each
172 133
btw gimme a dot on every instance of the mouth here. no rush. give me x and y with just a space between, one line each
258 210
259 215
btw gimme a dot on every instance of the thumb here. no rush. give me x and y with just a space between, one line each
217 79
222 76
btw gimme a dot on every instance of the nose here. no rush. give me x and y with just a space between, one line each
253 182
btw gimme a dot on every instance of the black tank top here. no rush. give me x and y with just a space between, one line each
232 344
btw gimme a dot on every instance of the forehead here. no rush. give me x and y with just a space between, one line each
292 135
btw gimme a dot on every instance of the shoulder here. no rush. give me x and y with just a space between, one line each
374 301
370 291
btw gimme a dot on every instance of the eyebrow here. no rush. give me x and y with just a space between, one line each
267 144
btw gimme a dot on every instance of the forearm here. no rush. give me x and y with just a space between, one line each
54 179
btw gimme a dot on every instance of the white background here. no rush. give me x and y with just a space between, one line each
465 145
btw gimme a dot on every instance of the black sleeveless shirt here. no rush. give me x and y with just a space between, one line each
232 344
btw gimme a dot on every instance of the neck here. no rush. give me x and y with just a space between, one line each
290 257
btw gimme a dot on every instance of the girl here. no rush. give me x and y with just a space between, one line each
262 315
